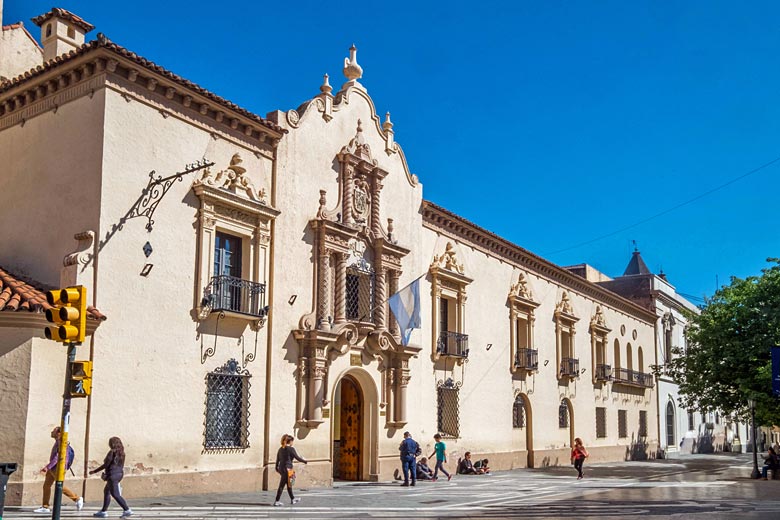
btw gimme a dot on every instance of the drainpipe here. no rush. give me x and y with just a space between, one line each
658 383
88 419
269 334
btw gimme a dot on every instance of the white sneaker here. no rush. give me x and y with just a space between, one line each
296 500
44 510
277 504
80 504
127 513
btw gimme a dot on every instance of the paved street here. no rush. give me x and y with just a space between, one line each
701 486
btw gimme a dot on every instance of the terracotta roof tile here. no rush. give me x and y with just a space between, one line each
22 294
104 43
65 15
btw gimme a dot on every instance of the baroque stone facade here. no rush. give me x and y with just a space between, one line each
262 289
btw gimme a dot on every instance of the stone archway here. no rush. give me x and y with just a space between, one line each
354 433
523 419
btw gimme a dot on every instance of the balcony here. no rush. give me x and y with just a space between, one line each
231 294
633 378
527 359
570 367
603 372
453 344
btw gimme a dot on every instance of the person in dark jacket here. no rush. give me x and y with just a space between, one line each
284 466
771 461
113 469
409 450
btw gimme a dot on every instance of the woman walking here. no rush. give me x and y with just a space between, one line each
113 471
578 456
284 465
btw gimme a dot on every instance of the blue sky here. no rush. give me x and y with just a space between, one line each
549 123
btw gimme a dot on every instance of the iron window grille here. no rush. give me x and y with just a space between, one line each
227 408
670 424
448 416
229 293
527 359
570 367
518 412
453 344
360 292
563 415
601 422
642 423
603 372
622 424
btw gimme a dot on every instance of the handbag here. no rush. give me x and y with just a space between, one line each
104 476
291 477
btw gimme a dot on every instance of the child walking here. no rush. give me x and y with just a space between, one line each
440 450
578 456
113 468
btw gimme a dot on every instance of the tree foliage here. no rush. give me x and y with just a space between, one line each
727 359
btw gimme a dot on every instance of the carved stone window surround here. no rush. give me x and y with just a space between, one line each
521 320
565 321
447 281
599 340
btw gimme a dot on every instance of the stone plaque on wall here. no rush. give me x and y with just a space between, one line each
356 360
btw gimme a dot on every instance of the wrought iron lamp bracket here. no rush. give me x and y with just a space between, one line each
156 189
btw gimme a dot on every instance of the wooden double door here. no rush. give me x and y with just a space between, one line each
350 454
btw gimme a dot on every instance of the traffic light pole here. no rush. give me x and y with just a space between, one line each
64 426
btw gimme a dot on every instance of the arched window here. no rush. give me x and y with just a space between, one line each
563 415
48 30
640 360
670 421
629 357
518 412
617 354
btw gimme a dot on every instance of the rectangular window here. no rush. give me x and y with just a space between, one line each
691 424
227 409
227 288
444 318
360 294
522 333
601 422
642 423
448 420
622 424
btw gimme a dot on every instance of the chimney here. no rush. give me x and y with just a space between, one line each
61 32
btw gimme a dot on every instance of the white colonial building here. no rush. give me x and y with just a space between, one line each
241 266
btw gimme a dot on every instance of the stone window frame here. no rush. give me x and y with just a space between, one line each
601 422
599 336
229 203
448 281
521 309
565 321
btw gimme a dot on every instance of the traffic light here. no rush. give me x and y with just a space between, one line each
69 314
80 384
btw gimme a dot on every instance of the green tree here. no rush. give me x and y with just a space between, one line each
728 355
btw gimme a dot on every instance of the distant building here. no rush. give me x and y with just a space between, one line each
247 298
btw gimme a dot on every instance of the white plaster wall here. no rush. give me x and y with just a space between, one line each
18 53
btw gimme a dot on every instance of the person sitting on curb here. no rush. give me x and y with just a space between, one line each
423 471
772 462
466 467
482 465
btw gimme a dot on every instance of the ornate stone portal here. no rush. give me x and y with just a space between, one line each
357 267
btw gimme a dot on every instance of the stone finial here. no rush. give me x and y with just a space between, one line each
387 125
352 70
325 88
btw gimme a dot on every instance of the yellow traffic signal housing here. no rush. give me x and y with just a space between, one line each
80 383
69 314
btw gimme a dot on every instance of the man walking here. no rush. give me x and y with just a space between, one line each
51 477
409 452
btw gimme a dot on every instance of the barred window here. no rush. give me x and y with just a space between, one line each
448 415
518 412
642 423
227 408
563 415
360 293
622 424
601 422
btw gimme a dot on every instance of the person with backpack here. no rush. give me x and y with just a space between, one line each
410 450
113 469
49 470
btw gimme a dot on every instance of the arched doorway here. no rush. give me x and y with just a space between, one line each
671 442
348 431
522 419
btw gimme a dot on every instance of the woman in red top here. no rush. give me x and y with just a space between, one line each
578 456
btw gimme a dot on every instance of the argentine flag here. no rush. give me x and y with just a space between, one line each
405 305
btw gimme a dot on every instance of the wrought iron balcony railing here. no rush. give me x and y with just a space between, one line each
527 358
570 367
603 372
228 293
453 344
633 378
